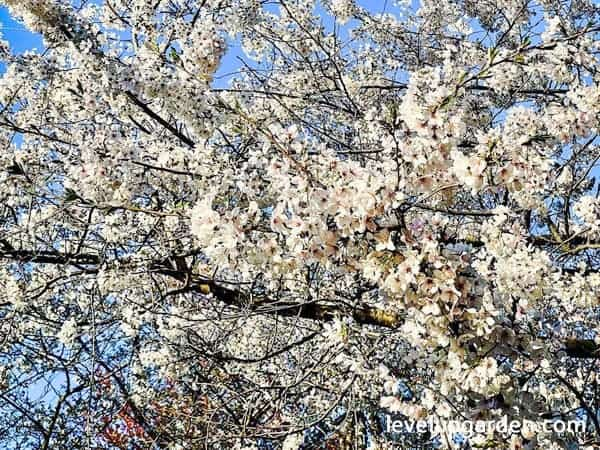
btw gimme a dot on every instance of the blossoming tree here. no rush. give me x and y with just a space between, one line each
382 211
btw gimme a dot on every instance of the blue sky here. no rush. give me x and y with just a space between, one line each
16 34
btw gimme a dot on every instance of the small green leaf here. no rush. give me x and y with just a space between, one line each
71 195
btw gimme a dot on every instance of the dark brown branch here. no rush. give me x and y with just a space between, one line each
174 131
582 348
319 310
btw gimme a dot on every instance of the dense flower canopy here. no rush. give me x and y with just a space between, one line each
381 210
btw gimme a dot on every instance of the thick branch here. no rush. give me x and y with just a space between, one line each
321 310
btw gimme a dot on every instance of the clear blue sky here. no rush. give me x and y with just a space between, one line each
16 34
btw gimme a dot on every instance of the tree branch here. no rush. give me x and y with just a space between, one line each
319 310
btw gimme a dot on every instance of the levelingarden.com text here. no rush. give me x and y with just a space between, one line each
469 427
